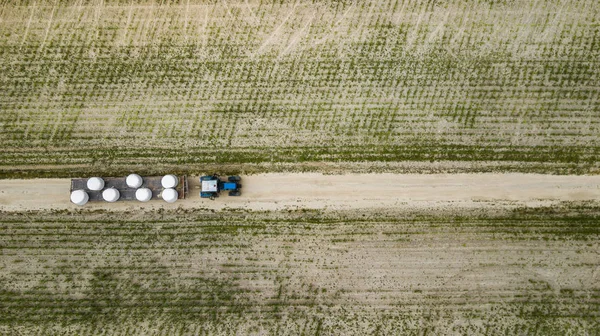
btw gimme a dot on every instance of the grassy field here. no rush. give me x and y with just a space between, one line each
525 271
107 86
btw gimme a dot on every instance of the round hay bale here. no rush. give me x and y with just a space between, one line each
79 197
111 195
169 181
143 194
170 195
95 183
134 181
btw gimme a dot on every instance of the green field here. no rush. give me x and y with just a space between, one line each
527 271
107 86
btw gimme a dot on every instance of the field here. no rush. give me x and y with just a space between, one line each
106 86
523 271
387 150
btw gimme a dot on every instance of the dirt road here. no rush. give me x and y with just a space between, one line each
316 191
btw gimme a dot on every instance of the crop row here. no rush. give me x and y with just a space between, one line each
65 162
195 271
272 78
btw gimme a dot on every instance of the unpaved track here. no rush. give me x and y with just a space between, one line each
354 191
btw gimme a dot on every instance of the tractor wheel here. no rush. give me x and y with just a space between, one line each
234 178
235 193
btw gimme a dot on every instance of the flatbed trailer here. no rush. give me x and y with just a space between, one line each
128 194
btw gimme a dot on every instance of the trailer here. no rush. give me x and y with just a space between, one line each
118 186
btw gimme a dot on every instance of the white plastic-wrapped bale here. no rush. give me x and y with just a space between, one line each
143 194
169 181
111 195
79 197
170 195
95 183
134 181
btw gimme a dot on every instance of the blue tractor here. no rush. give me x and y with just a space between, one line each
211 186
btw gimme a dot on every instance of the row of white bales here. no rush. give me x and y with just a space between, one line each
169 194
